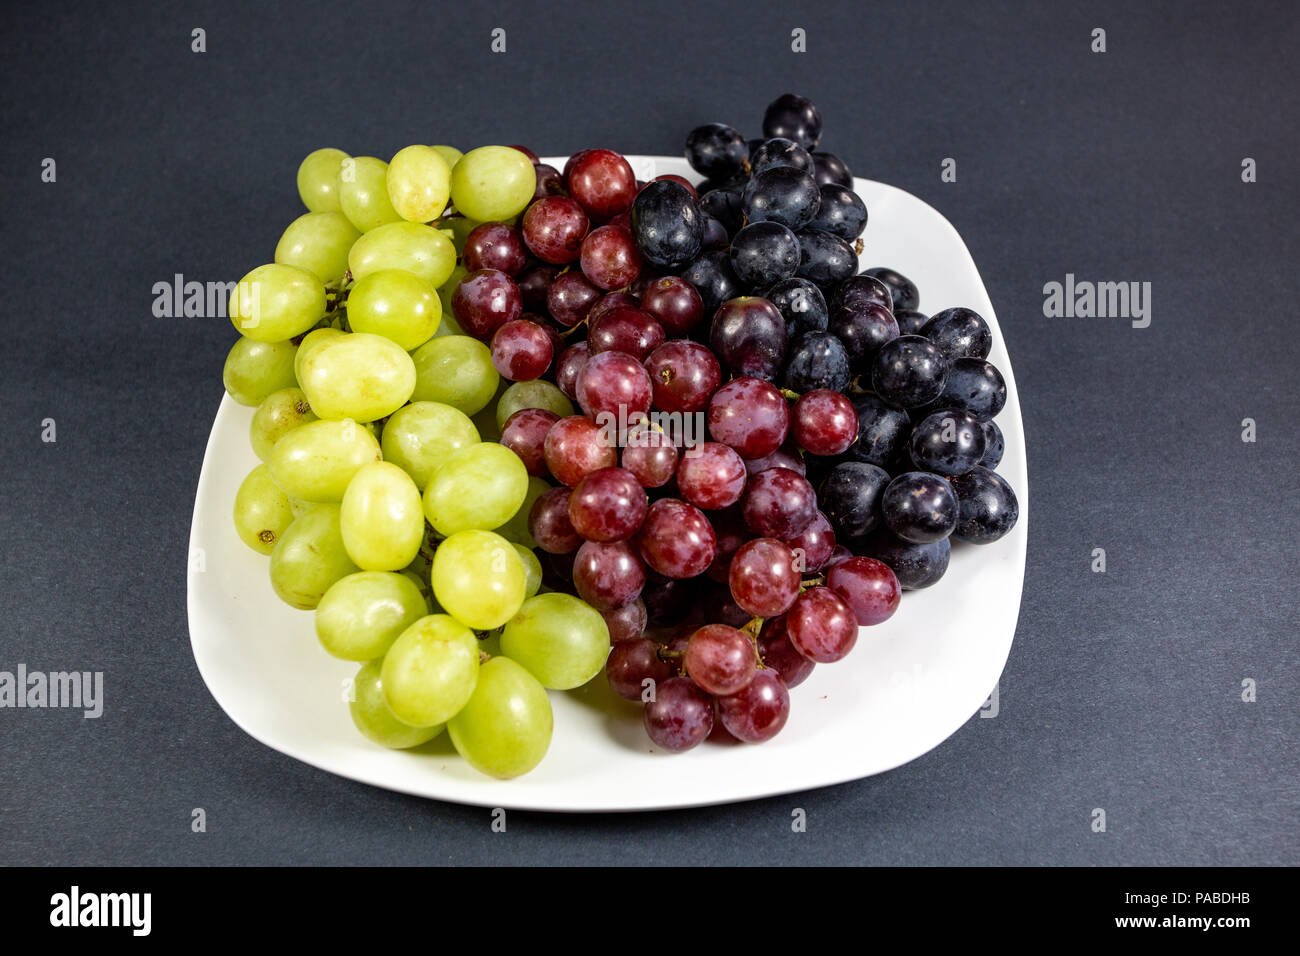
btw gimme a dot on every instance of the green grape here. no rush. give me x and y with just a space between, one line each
362 614
429 672
363 192
316 461
373 718
309 341
455 370
254 369
445 291
404 245
318 179
493 183
561 640
538 393
396 304
478 487
359 376
310 558
505 728
532 569
318 242
450 154
478 579
419 437
275 302
262 511
281 413
516 529
419 183
298 505
382 518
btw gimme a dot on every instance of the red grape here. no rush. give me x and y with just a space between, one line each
763 577
610 301
676 539
711 476
779 503
570 297
548 523
602 181
525 434
783 457
495 245
630 663
521 350
720 659
549 181
680 716
610 258
748 336
815 543
650 455
759 711
626 623
625 329
614 383
554 228
780 655
484 301
869 586
607 574
675 303
572 361
608 505
684 376
821 625
824 422
750 415
575 447
729 528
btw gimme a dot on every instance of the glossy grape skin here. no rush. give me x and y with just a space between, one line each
276 302
602 182
318 179
633 661
959 333
794 117
724 205
396 304
948 442
824 258
608 575
279 414
779 503
571 297
864 330
559 639
626 623
363 193
714 279
802 305
821 625
495 245
858 292
607 505
359 376
779 654
842 212
764 577
994 445
409 246
902 290
262 511
668 224
787 456
525 434
554 228
716 151
492 183
650 456
675 303
371 716
915 565
683 376
484 301
550 182
824 422
609 257
748 337
253 369
764 253
817 361
521 350
430 671
759 711
505 728
680 717
614 384
577 446
976 386
318 242
382 518
419 183
538 393
987 506
919 507
676 539
911 322
569 366
829 168
315 461
309 558
478 579
882 431
361 615
868 586
779 151
750 415
909 371
478 487
781 194
626 329
711 476
720 659
549 523
850 497
814 545
419 437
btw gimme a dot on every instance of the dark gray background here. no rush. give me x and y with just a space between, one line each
1123 689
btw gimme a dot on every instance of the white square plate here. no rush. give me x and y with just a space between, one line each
908 685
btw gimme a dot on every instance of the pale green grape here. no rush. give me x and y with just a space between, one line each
359 376
505 728
363 192
316 461
492 183
419 183
310 558
281 413
478 487
309 341
450 154
429 672
532 570
299 506
382 518
419 437
262 511
516 529
538 393
455 370
396 304
318 242
404 245
254 369
362 614
318 179
479 579
561 640
275 302
373 718
445 291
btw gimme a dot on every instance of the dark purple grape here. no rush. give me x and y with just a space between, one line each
631 663
915 565
910 371
714 279
842 213
994 445
779 503
858 292
795 117
817 360
829 168
882 431
715 235
824 258
781 194
948 442
667 599
549 181
959 333
919 507
779 654
801 304
901 288
987 505
759 711
608 575
667 224
779 152
975 385
748 337
724 205
764 253
675 303
910 322
716 150
863 330
534 284
680 716
850 496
